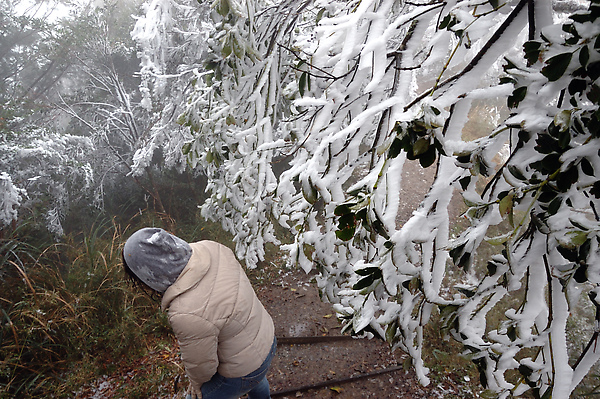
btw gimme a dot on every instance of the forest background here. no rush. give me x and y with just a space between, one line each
289 125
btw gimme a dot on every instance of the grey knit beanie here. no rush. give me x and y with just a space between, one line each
156 257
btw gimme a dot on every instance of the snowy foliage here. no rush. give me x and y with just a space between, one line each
43 171
307 113
10 200
47 170
171 37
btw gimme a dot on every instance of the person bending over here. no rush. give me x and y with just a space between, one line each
226 336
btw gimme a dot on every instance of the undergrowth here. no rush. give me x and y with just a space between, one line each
68 316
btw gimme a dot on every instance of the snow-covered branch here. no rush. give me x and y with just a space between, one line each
310 113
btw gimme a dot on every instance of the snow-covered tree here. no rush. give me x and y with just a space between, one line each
99 99
171 37
345 95
42 170
45 170
11 199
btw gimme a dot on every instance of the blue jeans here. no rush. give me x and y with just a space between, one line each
254 384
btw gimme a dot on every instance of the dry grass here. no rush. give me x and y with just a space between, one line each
68 316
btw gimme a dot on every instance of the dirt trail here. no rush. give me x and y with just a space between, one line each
294 303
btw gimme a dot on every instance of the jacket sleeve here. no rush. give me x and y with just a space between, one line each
198 339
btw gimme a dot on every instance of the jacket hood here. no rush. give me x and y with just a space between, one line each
156 257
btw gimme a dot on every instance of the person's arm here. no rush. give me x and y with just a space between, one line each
198 343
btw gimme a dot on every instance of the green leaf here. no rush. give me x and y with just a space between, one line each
586 167
481 366
580 274
364 282
507 80
465 261
566 179
594 70
577 238
577 86
380 229
445 22
428 158
516 172
505 206
491 268
421 146
439 146
464 182
547 195
463 158
509 65
308 250
564 138
460 257
395 148
556 66
569 254
320 15
594 96
390 331
517 96
584 55
227 49
551 162
362 215
345 234
584 251
367 271
448 311
343 209
511 332
547 393
223 8
554 206
532 51
469 293
455 253
546 144
525 371
309 191
346 221
302 83
581 18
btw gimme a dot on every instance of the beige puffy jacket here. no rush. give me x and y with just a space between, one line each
218 320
